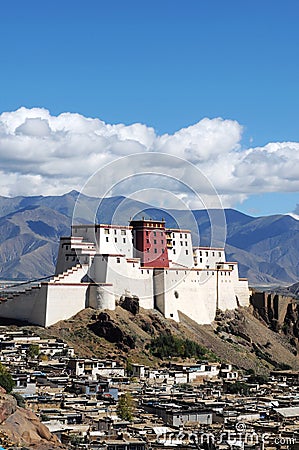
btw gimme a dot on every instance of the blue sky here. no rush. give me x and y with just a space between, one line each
165 64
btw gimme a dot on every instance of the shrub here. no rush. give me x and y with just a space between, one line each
6 380
167 345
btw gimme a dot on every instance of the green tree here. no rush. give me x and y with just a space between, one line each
238 387
6 380
129 368
33 351
126 407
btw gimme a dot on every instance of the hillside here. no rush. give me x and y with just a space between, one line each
267 248
236 337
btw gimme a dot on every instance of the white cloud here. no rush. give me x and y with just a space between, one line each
34 127
45 154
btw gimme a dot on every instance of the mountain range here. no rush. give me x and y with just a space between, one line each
267 248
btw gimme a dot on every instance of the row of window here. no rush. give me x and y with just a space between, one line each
153 232
115 239
207 253
174 251
122 232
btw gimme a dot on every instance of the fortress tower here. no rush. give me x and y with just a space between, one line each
150 243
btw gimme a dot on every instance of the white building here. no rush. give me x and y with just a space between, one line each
98 264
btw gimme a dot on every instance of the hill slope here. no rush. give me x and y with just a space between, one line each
237 337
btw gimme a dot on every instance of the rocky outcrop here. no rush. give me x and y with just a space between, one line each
106 328
20 427
130 303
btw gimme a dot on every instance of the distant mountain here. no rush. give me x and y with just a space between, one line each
267 248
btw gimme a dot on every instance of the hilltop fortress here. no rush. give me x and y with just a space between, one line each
99 264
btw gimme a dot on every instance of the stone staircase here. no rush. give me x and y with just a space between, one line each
71 275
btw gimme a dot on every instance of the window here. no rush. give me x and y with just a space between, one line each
155 250
174 251
162 250
146 233
200 253
124 240
161 233
187 252
185 235
107 239
115 239
200 260
213 253
106 231
162 242
181 235
155 241
219 254
118 260
207 253
147 241
123 232
115 231
155 233
173 242
147 250
186 243
181 242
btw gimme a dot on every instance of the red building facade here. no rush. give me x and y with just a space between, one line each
150 242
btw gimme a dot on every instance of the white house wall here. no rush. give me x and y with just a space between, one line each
64 301
194 296
28 306
181 251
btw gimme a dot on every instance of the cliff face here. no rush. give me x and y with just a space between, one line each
21 427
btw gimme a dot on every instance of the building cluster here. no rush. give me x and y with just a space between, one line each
98 264
186 406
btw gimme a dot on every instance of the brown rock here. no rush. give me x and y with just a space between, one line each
23 427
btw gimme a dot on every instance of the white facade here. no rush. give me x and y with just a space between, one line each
96 266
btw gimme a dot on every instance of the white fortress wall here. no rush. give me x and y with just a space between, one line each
112 239
98 269
72 275
71 251
181 251
242 292
226 290
128 276
124 276
191 292
86 232
27 306
101 296
64 301
208 258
